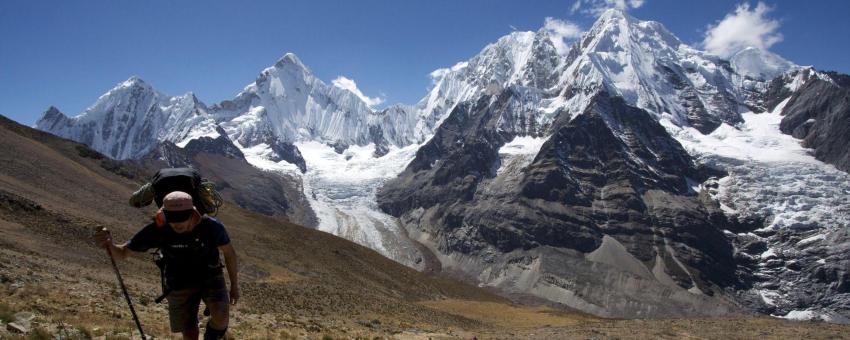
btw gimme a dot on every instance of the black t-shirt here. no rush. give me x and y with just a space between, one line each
190 258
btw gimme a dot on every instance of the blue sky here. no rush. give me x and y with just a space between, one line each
67 53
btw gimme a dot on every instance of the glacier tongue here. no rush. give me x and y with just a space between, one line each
341 190
771 176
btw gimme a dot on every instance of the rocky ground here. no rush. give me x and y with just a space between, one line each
46 299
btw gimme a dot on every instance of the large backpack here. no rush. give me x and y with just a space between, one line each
204 196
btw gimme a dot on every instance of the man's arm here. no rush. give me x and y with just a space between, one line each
232 270
103 238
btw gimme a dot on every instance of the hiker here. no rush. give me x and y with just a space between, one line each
190 245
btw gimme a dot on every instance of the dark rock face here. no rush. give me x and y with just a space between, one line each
220 145
608 188
53 119
776 92
339 147
169 154
819 113
697 115
619 163
376 134
817 273
540 68
463 151
219 160
284 151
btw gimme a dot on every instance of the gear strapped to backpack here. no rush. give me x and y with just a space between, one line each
204 197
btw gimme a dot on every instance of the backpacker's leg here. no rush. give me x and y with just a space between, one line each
217 300
191 334
183 312
212 333
219 318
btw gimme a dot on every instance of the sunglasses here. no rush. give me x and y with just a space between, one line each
177 216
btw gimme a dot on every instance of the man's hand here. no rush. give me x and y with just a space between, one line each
234 293
103 238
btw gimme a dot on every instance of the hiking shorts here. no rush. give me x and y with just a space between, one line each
183 305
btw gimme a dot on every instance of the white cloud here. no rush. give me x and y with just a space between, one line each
742 28
596 7
561 30
348 84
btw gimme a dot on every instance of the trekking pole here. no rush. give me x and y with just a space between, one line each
126 295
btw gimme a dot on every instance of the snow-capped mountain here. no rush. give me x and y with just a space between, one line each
633 175
645 64
131 119
288 102
640 61
285 104
488 211
525 60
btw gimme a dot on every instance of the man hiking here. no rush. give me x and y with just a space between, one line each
190 246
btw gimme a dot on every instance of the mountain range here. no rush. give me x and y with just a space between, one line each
630 176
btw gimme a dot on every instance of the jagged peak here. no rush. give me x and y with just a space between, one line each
51 118
614 13
617 25
513 40
52 111
544 36
508 44
543 33
289 63
134 80
190 96
514 46
289 59
50 115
